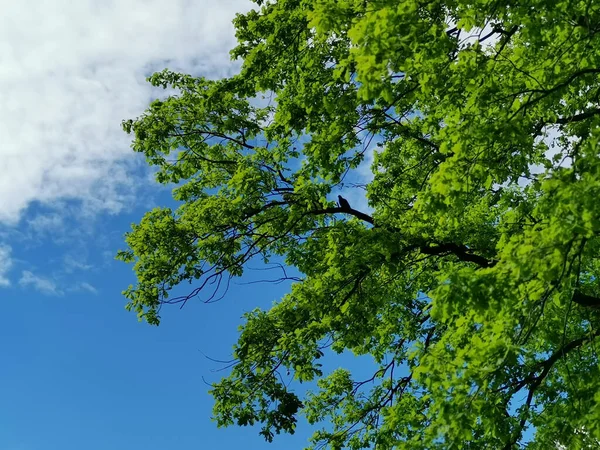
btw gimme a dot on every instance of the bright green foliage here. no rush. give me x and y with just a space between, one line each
474 281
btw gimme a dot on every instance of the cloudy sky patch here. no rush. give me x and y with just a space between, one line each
39 283
71 71
5 264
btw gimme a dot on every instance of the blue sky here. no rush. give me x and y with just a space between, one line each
80 372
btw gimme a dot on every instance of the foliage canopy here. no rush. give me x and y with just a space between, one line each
472 276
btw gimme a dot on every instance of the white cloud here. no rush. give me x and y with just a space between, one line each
6 263
83 287
73 263
71 71
88 287
41 284
43 224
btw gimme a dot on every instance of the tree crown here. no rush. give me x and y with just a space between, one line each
470 274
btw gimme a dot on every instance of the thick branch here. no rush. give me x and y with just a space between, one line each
578 117
586 300
353 212
460 251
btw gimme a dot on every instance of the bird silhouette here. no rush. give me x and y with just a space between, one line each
343 202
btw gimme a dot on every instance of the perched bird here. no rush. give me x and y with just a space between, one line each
343 202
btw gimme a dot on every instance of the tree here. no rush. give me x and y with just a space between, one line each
471 279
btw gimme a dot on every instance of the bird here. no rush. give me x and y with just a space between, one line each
343 202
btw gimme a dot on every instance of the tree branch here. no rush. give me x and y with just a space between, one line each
586 300
536 381
546 92
460 251
353 212
578 117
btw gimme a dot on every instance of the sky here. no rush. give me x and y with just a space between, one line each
77 370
